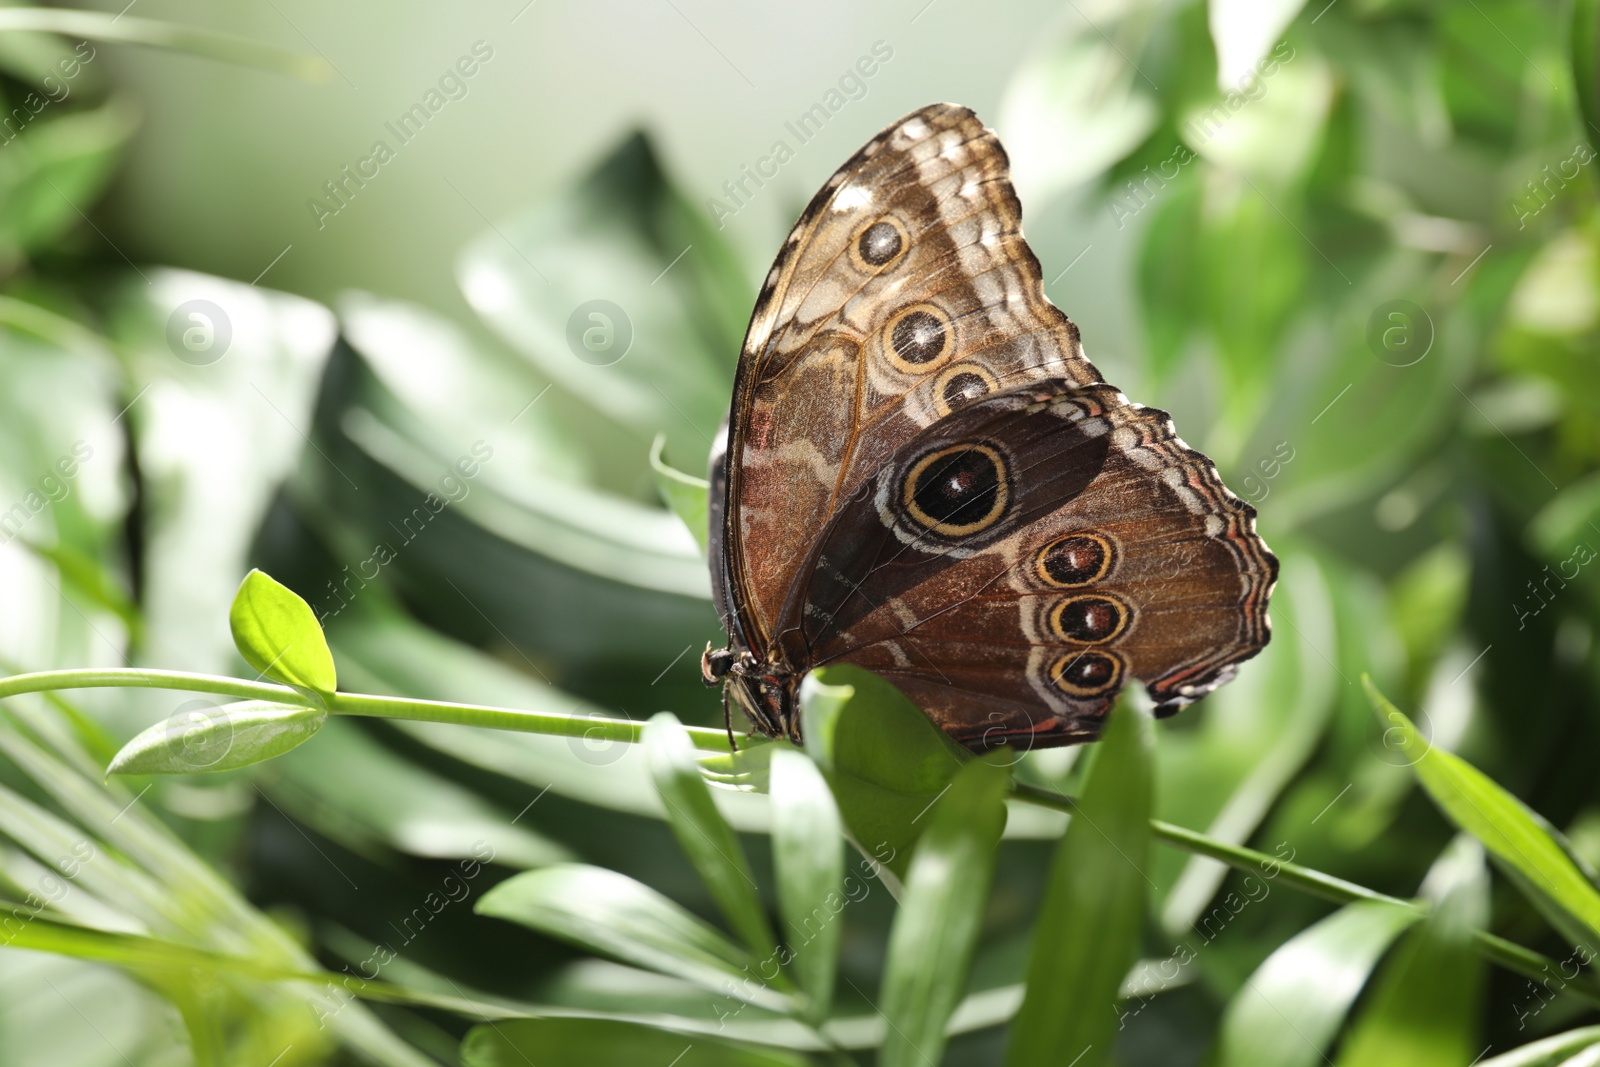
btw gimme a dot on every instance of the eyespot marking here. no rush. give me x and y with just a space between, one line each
1088 620
957 491
1086 674
1075 560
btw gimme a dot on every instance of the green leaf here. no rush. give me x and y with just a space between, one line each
1087 933
675 298
277 634
612 914
1548 1051
684 494
1425 1005
704 834
218 738
98 26
931 941
884 759
1289 1011
1516 838
1585 45
606 1043
808 856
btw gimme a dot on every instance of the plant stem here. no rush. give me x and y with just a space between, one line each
1508 954
595 727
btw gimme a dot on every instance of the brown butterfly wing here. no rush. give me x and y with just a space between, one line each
905 290
1014 567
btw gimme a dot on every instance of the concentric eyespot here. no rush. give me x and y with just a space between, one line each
1074 560
1088 620
916 337
1086 674
959 384
957 491
879 245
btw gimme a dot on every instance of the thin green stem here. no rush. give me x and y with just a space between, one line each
596 727
1508 954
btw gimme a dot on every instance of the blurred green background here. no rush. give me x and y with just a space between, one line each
1352 248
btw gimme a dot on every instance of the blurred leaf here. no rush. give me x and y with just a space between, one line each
808 858
947 886
682 493
60 162
1584 42
361 794
1076 106
1087 933
277 634
678 300
884 759
612 914
1423 1009
1518 839
704 834
604 1043
97 26
1289 1011
218 739
1244 32
1170 297
1549 1051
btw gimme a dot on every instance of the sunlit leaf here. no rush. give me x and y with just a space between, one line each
808 857
1290 1010
683 493
704 834
1425 1001
1516 838
931 941
606 1043
1087 932
611 914
218 738
1244 32
277 634
885 760
1549 1051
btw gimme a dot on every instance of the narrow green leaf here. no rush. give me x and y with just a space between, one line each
931 941
1549 1051
99 26
1585 46
277 634
808 855
1289 1011
606 1043
683 493
218 738
1425 1005
1087 933
1515 837
704 834
884 759
616 916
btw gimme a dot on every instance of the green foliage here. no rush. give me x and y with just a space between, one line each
1351 247
1094 908
277 634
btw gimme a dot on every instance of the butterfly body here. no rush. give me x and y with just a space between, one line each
923 475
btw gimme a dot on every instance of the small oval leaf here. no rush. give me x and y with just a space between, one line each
685 494
205 738
277 633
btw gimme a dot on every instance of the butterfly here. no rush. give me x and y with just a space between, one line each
922 474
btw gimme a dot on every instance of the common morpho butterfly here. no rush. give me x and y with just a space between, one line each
923 475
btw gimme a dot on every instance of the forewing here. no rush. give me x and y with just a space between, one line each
905 291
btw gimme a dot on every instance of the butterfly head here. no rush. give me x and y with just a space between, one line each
764 691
